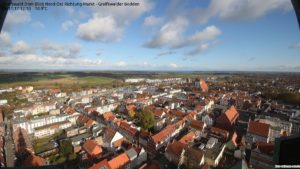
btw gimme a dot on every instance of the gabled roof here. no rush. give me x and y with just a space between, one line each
34 161
187 138
92 148
197 124
167 131
177 113
82 119
158 112
175 148
203 85
108 116
258 128
162 135
231 114
118 161
218 131
109 133
69 110
119 142
90 122
102 164
54 91
125 126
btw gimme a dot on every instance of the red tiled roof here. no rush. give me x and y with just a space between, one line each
167 131
119 162
219 131
70 110
232 114
34 161
203 85
118 143
175 148
103 163
177 113
108 116
197 124
258 128
162 135
82 119
54 91
125 126
190 116
158 112
109 133
92 148
150 107
90 122
187 138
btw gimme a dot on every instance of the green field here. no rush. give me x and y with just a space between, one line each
62 81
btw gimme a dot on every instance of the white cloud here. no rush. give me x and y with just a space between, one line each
152 20
38 25
209 33
20 48
169 34
5 39
61 50
107 23
37 61
47 55
14 18
66 25
198 50
173 65
100 29
239 9
121 64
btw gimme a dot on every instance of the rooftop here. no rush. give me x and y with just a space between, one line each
175 148
258 128
92 148
119 161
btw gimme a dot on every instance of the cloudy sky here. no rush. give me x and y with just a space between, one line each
156 35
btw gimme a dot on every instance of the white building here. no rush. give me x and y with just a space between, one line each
137 80
38 122
107 108
50 129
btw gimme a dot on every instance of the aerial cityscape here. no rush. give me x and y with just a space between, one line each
145 84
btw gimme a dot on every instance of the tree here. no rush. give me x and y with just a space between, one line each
146 119
66 147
